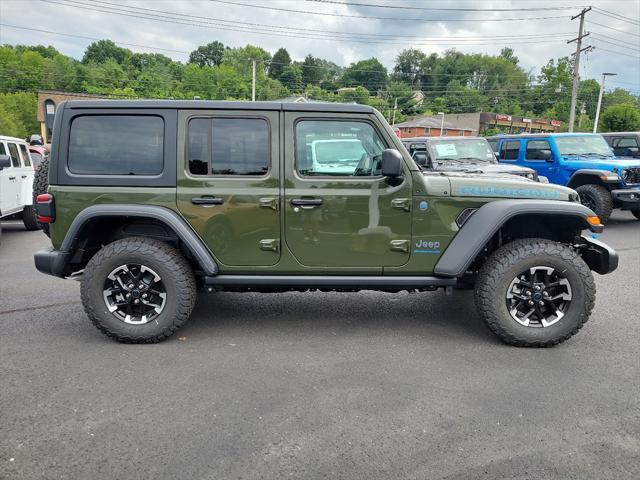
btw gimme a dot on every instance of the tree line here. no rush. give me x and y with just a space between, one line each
419 83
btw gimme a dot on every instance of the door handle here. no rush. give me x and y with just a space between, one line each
401 204
12 178
24 176
399 246
269 244
207 201
271 203
306 202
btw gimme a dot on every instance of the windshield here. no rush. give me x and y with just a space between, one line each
471 150
332 151
593 145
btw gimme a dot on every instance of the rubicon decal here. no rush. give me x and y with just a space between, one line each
510 192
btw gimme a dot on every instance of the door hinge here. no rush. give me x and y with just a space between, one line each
402 204
269 244
399 246
271 203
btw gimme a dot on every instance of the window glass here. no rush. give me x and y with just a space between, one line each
25 156
534 147
228 146
587 145
621 145
336 148
493 144
116 145
2 150
462 150
509 150
15 156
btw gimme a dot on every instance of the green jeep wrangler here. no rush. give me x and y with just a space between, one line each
150 200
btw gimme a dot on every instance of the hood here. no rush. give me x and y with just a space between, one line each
501 186
484 167
612 164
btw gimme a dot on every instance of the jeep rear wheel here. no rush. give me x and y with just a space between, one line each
41 185
138 290
535 293
29 218
598 199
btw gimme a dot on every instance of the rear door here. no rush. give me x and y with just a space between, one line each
25 193
339 211
9 184
229 183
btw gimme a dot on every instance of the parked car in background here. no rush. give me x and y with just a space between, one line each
460 154
16 180
624 144
582 161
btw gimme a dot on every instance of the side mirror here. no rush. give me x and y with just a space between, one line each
545 155
391 163
632 152
5 161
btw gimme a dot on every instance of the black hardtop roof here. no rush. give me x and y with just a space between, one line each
220 105
613 134
444 137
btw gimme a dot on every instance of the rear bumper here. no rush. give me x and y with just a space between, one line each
628 198
599 256
51 262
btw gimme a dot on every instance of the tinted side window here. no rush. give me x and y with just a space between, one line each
534 147
15 156
509 150
2 149
337 148
116 145
228 146
493 144
25 156
620 145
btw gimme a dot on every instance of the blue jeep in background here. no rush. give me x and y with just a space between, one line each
582 161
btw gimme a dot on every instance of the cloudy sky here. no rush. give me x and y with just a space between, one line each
341 30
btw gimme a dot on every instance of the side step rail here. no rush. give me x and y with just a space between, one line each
325 281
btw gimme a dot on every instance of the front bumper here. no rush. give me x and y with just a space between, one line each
51 262
599 256
628 198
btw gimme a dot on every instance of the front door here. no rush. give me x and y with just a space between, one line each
534 158
229 184
339 210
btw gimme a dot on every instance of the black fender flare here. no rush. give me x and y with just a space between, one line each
487 220
591 172
162 214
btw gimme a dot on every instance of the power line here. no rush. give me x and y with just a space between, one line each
199 18
266 31
616 16
616 44
612 28
397 19
449 9
617 53
616 40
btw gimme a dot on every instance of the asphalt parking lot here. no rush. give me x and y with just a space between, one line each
305 386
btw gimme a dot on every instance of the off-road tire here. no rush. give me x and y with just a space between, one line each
598 198
511 259
636 213
29 218
41 185
176 275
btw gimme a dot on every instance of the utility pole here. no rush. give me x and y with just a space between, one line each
595 122
576 65
395 106
253 83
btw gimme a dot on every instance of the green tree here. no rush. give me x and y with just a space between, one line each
279 62
103 50
370 74
623 117
410 66
312 70
8 124
22 108
291 78
210 54
620 95
357 95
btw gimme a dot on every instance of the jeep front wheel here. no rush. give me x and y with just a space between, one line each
598 199
535 293
138 290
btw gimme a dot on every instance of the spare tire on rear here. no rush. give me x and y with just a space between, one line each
41 185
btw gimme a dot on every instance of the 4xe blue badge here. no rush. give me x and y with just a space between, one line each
424 206
425 246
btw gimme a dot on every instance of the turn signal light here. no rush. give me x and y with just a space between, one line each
593 220
45 211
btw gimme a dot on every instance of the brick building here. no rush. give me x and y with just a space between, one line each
432 127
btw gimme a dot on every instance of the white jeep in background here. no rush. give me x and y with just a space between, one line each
16 182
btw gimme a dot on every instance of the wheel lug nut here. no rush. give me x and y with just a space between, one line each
144 295
136 301
131 285
141 286
545 294
530 302
128 295
537 288
540 302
